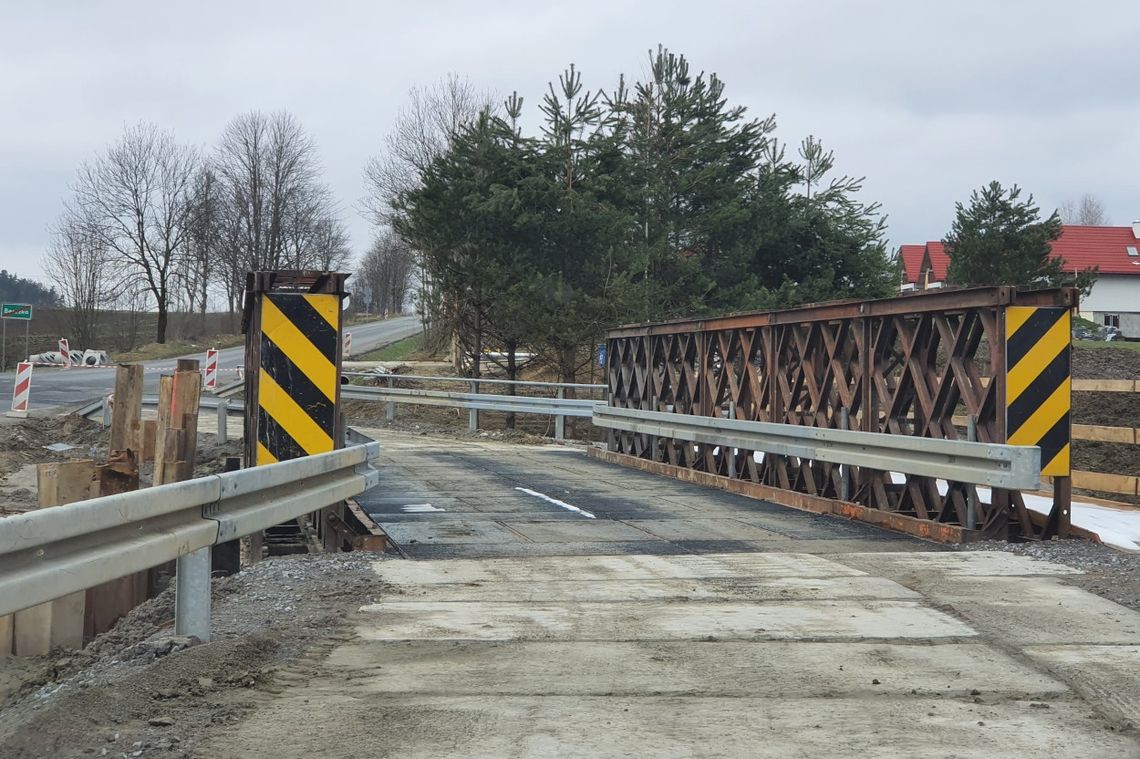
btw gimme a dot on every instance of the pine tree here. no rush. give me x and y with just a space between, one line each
999 239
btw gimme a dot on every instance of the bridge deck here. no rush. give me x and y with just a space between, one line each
687 623
484 499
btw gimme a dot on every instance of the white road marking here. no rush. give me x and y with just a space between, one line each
420 508
557 502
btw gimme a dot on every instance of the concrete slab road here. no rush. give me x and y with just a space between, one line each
509 646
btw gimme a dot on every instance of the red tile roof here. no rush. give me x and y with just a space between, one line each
939 261
1104 247
911 256
1080 246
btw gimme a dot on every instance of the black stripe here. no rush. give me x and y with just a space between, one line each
1054 440
1038 391
275 439
1034 328
297 385
311 324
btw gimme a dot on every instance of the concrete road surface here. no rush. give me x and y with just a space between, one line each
73 387
686 622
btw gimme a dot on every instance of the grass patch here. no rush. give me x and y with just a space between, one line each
397 351
1125 344
177 348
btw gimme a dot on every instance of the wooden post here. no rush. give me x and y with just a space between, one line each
176 436
60 622
127 410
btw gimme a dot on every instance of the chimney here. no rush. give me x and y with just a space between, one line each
1136 229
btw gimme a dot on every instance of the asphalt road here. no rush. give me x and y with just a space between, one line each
52 388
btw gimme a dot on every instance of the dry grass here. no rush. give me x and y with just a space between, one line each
175 348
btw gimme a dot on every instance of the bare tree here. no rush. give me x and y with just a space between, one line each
423 130
1088 211
134 201
78 264
203 243
276 213
385 275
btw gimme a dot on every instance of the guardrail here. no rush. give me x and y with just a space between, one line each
992 464
559 406
49 553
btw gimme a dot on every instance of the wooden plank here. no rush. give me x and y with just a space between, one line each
109 602
60 622
1107 483
1105 434
1104 386
162 424
6 635
144 435
127 409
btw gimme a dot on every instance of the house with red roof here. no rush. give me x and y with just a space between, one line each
1115 251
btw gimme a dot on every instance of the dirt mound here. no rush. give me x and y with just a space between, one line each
1105 363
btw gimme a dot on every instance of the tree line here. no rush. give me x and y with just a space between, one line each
155 224
643 202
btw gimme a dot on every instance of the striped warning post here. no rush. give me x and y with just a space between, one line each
1039 383
211 369
22 390
65 352
298 384
347 344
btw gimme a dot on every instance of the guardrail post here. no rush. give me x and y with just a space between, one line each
192 595
844 474
390 407
560 420
223 420
972 490
473 414
107 411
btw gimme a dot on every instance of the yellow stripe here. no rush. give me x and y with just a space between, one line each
297 347
1015 316
1043 419
1060 465
328 306
292 418
264 456
1055 340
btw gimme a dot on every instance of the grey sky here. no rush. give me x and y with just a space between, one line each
927 99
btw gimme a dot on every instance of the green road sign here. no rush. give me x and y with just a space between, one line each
16 311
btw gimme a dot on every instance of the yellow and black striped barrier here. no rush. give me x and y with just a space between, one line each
298 379
1039 383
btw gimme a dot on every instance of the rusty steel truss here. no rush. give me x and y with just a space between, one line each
919 365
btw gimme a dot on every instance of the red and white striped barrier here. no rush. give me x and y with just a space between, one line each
65 352
211 369
22 390
347 344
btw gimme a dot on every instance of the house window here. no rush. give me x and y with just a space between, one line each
1112 320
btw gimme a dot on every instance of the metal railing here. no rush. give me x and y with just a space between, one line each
558 406
49 553
991 464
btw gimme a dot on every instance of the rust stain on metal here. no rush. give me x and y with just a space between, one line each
903 366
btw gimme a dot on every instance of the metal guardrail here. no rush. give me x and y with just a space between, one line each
559 407
48 553
992 464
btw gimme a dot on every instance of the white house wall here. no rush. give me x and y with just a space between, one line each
1113 293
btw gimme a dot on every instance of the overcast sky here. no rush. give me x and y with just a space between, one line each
926 99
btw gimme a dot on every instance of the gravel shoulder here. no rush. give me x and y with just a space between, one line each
137 691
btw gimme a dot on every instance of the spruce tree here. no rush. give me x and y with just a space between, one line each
999 239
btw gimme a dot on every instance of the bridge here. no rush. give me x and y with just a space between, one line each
570 600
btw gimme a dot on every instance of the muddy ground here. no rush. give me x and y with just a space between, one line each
139 692
22 447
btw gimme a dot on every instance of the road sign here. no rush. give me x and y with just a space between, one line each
16 311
